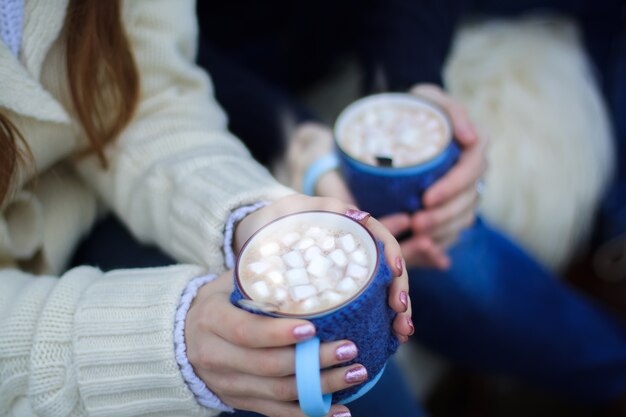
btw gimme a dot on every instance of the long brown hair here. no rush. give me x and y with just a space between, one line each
103 81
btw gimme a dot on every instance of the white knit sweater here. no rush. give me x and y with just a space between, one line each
97 344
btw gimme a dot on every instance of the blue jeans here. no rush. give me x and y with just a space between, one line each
498 310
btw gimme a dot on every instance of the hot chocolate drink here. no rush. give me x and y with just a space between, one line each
393 131
299 266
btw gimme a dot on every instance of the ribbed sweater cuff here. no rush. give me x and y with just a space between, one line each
203 395
229 231
124 345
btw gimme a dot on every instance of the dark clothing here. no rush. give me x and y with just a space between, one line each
260 54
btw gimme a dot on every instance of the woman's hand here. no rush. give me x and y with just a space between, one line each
398 292
248 360
450 203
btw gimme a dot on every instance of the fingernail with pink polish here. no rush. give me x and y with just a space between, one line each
342 414
404 299
410 323
356 375
399 265
304 331
358 215
346 352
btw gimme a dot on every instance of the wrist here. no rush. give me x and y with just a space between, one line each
196 385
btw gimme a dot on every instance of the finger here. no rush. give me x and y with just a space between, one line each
451 230
428 221
421 251
284 388
245 329
462 176
448 241
397 224
272 408
393 253
273 362
464 130
399 291
403 326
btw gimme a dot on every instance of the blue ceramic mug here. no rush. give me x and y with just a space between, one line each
381 189
365 318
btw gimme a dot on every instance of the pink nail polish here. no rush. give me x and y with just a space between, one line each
399 265
346 352
410 323
356 375
358 215
404 299
304 331
342 414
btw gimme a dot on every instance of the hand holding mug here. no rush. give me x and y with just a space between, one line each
449 205
247 360
328 268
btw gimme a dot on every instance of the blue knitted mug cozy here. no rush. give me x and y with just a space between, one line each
366 321
383 190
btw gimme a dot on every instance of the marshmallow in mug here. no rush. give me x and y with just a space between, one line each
306 269
394 133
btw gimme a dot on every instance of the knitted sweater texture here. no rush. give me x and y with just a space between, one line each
82 342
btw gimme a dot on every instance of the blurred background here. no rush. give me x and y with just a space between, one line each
544 80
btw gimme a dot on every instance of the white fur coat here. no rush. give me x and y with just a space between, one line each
529 84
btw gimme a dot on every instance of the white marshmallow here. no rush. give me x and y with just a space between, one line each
347 285
359 257
347 243
319 266
300 292
328 243
276 277
290 238
407 137
428 151
277 262
258 267
269 249
370 118
297 276
314 232
338 257
431 124
305 243
280 294
310 303
335 274
260 290
294 259
331 297
356 271
311 253
323 284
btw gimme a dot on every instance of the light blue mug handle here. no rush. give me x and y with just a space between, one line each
312 402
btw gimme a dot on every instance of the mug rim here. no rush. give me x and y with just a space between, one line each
321 312
404 97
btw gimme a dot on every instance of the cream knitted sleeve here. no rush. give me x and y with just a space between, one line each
93 344
176 173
